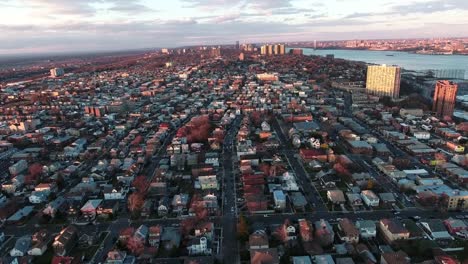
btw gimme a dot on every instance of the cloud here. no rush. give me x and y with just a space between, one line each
84 7
428 7
210 4
80 26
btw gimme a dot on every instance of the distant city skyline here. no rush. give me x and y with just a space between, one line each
41 26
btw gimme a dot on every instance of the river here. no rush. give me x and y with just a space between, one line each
408 61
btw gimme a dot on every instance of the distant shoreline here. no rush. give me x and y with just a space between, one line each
366 49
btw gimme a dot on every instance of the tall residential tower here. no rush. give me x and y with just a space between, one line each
383 80
444 98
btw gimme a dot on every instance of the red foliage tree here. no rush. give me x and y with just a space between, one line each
138 139
277 169
135 245
198 129
440 156
281 232
187 225
125 233
141 184
135 202
265 168
341 171
256 118
35 170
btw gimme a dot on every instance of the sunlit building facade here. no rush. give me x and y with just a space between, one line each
444 98
383 80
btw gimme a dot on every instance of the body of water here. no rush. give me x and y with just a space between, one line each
409 61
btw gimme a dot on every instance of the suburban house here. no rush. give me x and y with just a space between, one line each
258 240
280 199
436 229
38 197
40 241
111 193
369 198
199 246
154 236
367 228
21 247
179 202
336 196
347 231
57 205
456 227
89 210
65 240
108 208
354 199
119 257
262 256
141 233
393 230
399 257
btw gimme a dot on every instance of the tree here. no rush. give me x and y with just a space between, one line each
265 168
135 202
141 184
35 170
60 181
281 232
276 169
187 225
135 245
201 213
125 233
323 236
256 118
342 171
199 129
242 229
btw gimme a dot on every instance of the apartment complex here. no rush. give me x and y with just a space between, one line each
444 98
383 80
277 49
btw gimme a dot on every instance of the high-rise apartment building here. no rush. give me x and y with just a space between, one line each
444 98
277 49
383 80
282 49
270 49
56 72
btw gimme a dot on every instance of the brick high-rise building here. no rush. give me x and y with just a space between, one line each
444 98
383 80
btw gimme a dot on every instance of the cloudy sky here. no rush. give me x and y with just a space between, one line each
33 26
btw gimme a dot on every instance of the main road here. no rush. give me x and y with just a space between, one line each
312 195
230 250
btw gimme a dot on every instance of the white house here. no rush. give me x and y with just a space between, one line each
38 249
367 228
115 194
265 126
21 247
38 197
280 199
199 246
436 229
369 198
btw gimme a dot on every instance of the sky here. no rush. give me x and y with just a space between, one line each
39 26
